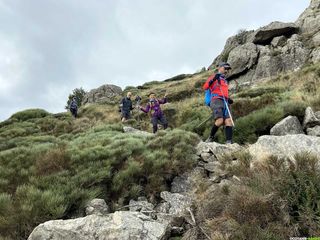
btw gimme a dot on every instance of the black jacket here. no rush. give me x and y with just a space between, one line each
126 104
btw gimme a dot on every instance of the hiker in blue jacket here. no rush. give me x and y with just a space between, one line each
126 107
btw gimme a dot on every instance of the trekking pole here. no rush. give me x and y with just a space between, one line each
227 107
204 121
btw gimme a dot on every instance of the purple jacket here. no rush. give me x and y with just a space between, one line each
155 107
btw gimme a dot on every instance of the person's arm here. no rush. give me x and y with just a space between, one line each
146 110
163 100
209 82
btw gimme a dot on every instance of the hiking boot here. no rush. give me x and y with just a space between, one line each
210 139
229 142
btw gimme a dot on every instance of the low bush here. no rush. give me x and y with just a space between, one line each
29 114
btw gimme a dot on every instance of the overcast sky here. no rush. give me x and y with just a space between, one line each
50 47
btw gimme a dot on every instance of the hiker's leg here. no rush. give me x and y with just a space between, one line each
228 130
154 121
164 122
217 111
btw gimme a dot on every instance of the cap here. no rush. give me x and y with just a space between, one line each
225 65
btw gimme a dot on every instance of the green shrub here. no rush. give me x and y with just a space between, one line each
30 114
249 128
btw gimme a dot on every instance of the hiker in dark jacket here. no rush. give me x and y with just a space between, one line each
157 115
220 101
73 107
126 107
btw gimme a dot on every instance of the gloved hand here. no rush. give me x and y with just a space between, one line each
217 76
230 101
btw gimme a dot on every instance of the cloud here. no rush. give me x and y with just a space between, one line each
50 47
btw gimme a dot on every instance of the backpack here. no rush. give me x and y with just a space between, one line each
207 97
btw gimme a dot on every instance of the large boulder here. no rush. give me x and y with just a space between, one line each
115 226
310 119
284 146
176 202
105 94
141 205
265 34
309 20
97 206
242 58
288 125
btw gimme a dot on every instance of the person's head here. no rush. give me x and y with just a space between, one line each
129 94
224 67
152 96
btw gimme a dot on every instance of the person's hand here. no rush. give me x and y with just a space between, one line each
217 76
166 95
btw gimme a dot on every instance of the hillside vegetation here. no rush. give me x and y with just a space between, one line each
52 164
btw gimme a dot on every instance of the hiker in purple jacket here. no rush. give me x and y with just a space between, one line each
157 115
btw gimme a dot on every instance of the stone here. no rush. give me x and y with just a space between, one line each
288 125
265 34
97 206
309 20
315 131
183 184
178 203
132 130
279 41
217 150
142 205
310 119
122 225
105 94
284 146
212 166
243 58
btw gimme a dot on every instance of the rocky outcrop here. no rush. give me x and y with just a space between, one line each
277 47
104 94
98 207
289 125
284 146
266 34
117 226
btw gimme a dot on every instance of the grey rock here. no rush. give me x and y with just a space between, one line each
265 34
115 226
315 55
212 166
278 41
310 119
315 131
105 94
309 20
178 203
288 125
317 114
217 149
284 146
132 130
183 184
242 58
142 205
97 206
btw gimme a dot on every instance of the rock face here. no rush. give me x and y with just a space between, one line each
104 94
277 47
289 125
97 206
265 34
284 146
115 226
